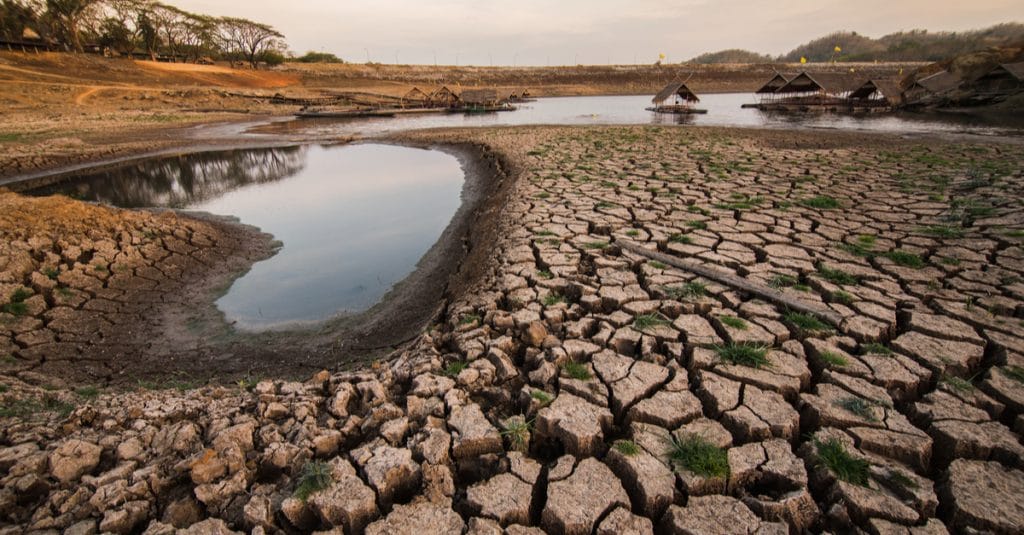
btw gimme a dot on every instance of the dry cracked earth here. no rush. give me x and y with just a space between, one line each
581 388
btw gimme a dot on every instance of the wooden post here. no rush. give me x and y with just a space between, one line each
734 281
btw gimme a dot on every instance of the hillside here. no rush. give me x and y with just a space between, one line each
732 55
914 45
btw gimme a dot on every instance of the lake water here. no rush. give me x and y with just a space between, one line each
723 110
354 220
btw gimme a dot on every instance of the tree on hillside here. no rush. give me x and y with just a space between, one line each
68 17
251 40
17 15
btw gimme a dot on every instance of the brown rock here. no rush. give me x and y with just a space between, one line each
347 503
578 425
473 435
984 496
421 518
574 504
74 458
505 498
622 522
706 515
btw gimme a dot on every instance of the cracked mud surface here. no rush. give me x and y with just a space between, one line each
576 387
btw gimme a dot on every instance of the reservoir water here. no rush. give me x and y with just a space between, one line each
723 110
353 220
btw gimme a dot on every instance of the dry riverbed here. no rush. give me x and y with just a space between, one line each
571 386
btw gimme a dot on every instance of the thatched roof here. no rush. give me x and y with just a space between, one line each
888 89
415 94
480 96
775 83
831 83
939 82
676 88
1006 70
442 92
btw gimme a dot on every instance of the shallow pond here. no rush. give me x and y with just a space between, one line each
353 220
723 110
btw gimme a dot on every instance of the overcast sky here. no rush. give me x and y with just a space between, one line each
562 32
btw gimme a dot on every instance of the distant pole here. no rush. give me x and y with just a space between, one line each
576 59
490 58
367 50
635 62
515 59
456 59
396 57
435 58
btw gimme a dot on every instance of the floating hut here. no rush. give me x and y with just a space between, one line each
876 96
1004 80
818 89
415 98
676 97
931 88
480 100
769 91
443 97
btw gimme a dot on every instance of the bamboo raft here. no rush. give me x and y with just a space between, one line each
678 110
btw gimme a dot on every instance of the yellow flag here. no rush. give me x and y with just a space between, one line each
803 60
839 49
661 56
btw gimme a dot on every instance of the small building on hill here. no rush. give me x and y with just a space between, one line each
1006 79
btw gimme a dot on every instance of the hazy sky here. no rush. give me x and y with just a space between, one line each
561 32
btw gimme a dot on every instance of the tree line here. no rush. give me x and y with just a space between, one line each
914 45
129 27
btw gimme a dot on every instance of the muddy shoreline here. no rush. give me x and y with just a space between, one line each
195 343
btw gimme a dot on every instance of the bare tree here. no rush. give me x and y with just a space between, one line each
251 40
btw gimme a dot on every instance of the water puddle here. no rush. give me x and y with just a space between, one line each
353 220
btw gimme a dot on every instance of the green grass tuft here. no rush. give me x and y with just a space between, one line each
905 259
690 290
750 355
957 383
836 276
822 202
542 397
552 299
455 368
517 431
681 238
834 359
858 406
697 455
657 265
649 321
315 476
696 224
943 231
843 465
469 319
575 370
875 349
599 245
626 447
1014 372
806 322
843 298
783 281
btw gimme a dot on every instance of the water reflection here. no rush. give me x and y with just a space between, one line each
183 181
354 220
723 110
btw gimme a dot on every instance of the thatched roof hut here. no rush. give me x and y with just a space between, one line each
938 83
416 97
826 84
1007 78
480 97
675 91
776 83
885 92
443 96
